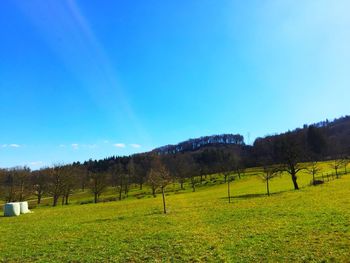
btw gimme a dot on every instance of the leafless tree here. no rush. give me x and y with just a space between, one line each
336 165
40 182
268 173
119 178
23 176
346 161
159 176
228 162
238 166
2 181
98 183
70 180
16 183
55 185
313 169
289 152
9 184
188 168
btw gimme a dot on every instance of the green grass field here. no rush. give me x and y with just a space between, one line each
312 224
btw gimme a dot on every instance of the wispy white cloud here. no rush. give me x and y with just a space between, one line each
62 146
135 145
12 145
119 145
75 146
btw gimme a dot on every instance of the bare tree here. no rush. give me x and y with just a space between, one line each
23 176
336 165
16 183
55 185
173 164
9 183
188 168
238 166
159 176
98 183
141 167
2 181
83 175
289 151
40 183
70 182
98 178
313 169
228 161
119 178
346 161
268 173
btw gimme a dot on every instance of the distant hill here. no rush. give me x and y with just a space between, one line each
335 135
196 144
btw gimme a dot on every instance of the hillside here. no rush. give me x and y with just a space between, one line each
290 226
324 140
195 144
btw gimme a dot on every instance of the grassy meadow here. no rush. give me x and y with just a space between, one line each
312 224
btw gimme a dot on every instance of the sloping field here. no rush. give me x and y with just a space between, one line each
312 224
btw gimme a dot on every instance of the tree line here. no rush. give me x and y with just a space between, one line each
285 152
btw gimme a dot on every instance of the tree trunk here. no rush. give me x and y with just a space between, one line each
267 187
164 208
193 185
126 190
201 178
95 198
225 178
140 186
228 191
55 199
182 185
153 191
39 199
294 179
67 196
120 193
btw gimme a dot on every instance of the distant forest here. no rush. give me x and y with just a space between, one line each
188 160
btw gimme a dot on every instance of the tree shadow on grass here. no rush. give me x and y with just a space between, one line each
249 196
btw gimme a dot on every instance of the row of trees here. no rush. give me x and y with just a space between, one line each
293 152
20 183
60 181
275 154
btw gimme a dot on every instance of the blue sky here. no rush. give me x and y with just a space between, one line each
91 79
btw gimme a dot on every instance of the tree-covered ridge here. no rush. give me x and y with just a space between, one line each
195 144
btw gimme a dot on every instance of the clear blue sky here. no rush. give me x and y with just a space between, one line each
90 79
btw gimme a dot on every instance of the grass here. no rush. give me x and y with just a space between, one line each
312 224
